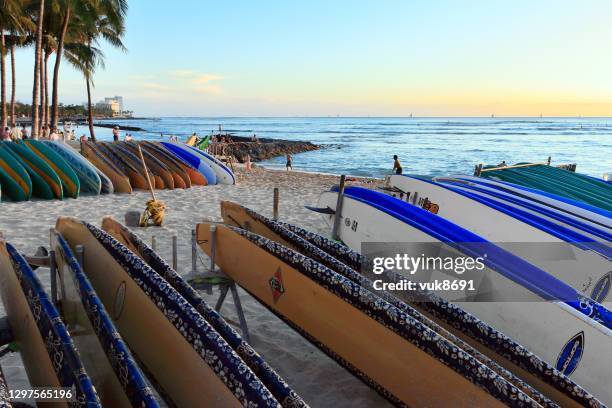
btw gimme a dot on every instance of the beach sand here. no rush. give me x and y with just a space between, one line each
317 378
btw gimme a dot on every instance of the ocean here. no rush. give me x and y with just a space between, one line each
426 146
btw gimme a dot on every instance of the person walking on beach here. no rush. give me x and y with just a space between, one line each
289 162
397 166
116 134
247 161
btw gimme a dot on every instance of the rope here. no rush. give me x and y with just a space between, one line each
154 212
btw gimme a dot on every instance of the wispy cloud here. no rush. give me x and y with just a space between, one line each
154 86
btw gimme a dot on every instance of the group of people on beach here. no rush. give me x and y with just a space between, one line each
116 135
15 133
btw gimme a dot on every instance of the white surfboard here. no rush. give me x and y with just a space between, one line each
583 226
581 268
567 339
581 210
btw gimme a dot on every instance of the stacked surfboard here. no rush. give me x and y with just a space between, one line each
426 352
547 268
54 170
130 331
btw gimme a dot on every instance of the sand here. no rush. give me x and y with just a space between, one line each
317 378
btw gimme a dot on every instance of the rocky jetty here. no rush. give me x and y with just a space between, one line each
264 148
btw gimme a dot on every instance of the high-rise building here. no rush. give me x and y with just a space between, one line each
114 104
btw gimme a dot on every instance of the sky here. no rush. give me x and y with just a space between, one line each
354 58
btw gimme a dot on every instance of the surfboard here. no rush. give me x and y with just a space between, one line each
193 159
358 329
574 207
14 178
70 182
197 367
152 163
223 173
589 228
554 330
137 180
40 188
38 166
195 177
277 386
129 158
90 181
120 181
116 376
181 178
505 352
49 356
559 251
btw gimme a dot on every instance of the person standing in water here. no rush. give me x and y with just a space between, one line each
397 166
116 134
289 162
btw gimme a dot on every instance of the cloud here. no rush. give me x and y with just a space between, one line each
181 73
206 78
154 86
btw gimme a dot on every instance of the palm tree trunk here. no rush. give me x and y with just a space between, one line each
43 119
3 79
46 104
13 83
58 60
90 111
37 58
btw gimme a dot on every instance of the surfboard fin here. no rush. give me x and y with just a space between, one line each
320 210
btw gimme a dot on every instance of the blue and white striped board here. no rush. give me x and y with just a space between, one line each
87 173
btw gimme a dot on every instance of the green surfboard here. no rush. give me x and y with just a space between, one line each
70 181
40 186
14 178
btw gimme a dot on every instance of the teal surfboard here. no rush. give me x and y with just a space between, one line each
40 188
14 178
70 181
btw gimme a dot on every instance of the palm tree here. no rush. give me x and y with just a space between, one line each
93 14
37 63
84 55
9 20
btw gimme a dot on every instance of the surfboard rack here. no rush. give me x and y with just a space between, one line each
216 277
46 259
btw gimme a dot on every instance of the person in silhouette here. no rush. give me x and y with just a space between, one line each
397 166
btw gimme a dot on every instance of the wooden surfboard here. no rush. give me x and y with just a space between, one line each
479 335
116 376
266 374
49 356
137 180
121 182
129 158
570 333
186 357
355 328
152 163
181 178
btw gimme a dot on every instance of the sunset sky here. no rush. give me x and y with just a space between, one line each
356 58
